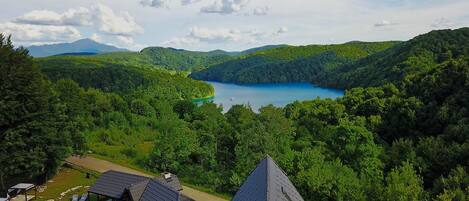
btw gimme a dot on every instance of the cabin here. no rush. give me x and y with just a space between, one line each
267 182
119 186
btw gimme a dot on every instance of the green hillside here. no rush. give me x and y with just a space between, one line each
404 61
91 72
171 58
289 64
182 59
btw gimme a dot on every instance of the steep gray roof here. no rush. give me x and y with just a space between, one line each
172 181
157 191
267 183
113 184
118 185
137 190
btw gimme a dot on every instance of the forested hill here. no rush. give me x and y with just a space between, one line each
183 59
401 62
171 58
90 72
290 63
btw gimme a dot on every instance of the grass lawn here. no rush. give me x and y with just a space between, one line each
66 179
114 154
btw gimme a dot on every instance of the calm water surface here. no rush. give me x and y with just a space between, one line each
258 95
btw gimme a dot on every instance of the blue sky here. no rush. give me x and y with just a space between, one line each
226 24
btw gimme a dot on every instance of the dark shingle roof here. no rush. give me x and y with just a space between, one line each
267 183
113 184
172 181
137 190
157 191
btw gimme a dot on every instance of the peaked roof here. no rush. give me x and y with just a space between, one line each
113 184
157 191
267 183
117 184
136 190
172 181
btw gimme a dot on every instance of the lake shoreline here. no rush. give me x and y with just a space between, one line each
259 95
206 98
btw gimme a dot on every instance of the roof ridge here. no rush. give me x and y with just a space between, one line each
148 184
167 187
267 177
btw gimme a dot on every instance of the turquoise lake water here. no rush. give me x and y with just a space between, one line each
258 95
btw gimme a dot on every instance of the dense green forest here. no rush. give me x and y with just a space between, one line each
75 103
417 56
289 64
164 58
402 139
122 78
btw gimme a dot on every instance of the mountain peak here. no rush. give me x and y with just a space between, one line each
85 40
83 45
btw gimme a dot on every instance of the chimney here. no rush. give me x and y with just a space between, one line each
166 175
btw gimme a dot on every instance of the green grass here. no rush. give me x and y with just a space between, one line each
207 190
114 153
67 178
122 162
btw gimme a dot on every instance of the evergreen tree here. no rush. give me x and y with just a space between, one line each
33 135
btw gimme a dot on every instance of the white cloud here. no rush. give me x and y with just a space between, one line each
384 23
207 35
282 30
99 17
155 3
72 17
260 11
225 6
215 35
165 3
36 33
223 36
96 37
113 23
188 2
442 23
125 40
180 41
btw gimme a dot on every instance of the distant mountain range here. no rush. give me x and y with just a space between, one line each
79 47
160 57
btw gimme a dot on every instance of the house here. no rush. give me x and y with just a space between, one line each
267 182
129 187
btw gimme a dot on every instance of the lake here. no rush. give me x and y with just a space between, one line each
258 95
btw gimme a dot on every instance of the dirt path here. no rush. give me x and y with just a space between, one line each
103 166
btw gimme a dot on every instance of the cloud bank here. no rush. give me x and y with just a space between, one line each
45 26
225 6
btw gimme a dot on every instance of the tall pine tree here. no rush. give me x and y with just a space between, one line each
33 136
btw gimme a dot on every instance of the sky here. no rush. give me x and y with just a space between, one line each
225 24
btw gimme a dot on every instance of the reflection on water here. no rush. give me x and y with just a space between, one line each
258 95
